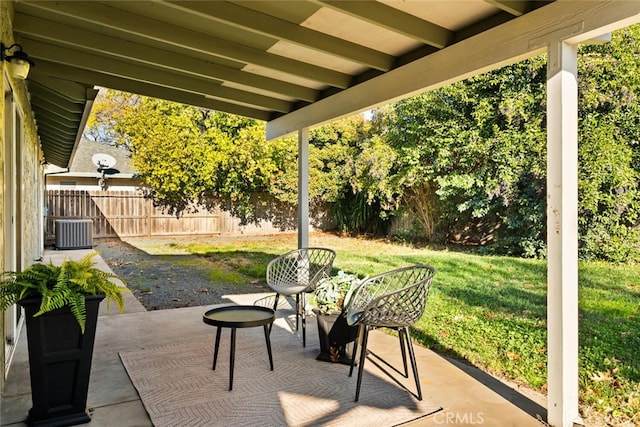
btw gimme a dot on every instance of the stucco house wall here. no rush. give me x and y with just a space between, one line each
23 246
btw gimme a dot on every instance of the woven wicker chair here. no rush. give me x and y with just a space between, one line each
396 300
296 273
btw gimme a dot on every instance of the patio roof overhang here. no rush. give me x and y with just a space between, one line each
291 63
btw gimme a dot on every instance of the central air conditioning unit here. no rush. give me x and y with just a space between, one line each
74 233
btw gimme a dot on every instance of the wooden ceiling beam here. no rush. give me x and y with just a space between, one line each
280 29
394 20
147 89
514 7
104 65
101 15
77 38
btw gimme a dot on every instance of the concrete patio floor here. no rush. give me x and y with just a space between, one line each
468 395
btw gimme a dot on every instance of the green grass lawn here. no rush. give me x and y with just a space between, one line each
491 311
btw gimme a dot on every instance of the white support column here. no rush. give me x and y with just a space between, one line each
303 188
562 234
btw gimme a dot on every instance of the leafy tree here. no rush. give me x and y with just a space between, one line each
471 157
340 151
108 107
189 158
468 155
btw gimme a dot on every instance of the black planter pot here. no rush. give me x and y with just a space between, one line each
336 338
59 363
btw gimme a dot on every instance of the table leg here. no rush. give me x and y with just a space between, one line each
217 345
266 337
232 357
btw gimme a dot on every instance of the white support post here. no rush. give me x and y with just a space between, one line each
562 234
303 188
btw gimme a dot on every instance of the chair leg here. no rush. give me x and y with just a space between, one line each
303 316
403 351
275 307
355 349
297 310
363 357
414 365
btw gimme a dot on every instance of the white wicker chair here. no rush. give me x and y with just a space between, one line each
296 273
396 300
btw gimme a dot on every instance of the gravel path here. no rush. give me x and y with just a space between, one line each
169 281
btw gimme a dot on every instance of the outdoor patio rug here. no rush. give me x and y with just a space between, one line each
178 387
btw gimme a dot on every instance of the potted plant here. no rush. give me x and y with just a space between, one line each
61 306
331 300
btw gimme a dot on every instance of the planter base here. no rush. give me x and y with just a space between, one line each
344 355
336 338
59 363
71 419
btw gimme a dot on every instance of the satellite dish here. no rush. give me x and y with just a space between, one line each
103 161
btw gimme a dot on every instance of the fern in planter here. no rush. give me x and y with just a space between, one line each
61 286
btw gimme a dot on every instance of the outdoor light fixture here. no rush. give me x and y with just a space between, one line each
18 62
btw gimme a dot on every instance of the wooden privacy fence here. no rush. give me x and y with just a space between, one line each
129 214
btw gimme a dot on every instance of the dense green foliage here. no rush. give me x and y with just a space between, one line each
467 162
472 154
190 157
345 156
470 157
610 148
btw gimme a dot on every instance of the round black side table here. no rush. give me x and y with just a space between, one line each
238 316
